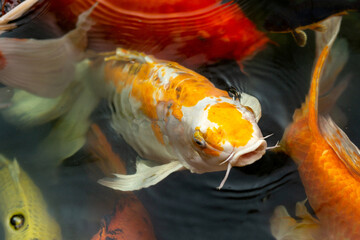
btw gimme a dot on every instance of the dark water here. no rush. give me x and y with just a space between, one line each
185 205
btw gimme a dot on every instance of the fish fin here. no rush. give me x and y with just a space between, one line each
122 54
14 170
15 13
347 151
284 227
68 135
300 37
100 147
44 67
28 109
145 176
251 102
326 39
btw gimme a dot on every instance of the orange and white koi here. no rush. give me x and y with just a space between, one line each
328 164
176 117
169 114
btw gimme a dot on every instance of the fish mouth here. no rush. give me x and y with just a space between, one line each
249 154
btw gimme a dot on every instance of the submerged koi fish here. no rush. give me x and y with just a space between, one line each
178 118
168 114
129 221
23 209
188 32
328 164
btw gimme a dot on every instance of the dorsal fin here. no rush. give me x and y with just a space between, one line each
324 42
341 144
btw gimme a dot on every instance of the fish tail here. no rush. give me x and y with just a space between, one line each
284 227
44 67
309 109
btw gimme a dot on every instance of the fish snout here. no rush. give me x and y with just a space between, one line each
249 154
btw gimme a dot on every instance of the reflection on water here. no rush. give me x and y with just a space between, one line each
185 205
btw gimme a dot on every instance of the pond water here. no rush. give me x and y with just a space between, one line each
186 205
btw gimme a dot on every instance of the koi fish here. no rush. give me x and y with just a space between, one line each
297 17
167 113
176 117
23 209
188 32
328 164
129 221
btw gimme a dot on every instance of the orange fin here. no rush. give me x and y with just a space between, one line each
341 144
284 227
325 41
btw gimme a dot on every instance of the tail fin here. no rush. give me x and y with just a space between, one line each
43 67
326 39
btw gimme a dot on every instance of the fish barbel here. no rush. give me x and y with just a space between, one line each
23 209
328 164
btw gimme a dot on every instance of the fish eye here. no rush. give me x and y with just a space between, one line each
17 221
200 142
198 139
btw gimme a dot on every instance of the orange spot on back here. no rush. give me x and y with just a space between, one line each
232 126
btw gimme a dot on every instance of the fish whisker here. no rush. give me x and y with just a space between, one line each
268 136
228 158
226 176
275 146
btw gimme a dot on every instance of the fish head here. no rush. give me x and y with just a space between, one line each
225 131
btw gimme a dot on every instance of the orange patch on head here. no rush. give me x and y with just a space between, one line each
232 127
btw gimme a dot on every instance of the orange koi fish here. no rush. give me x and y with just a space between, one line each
129 221
328 164
188 32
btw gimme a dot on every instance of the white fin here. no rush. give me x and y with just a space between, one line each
28 109
327 38
43 67
69 133
284 227
14 14
144 177
253 103
341 144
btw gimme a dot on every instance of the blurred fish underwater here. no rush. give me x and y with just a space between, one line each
49 47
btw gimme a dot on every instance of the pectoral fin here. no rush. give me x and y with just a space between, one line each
347 151
284 227
144 177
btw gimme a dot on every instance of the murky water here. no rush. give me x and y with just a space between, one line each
185 205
